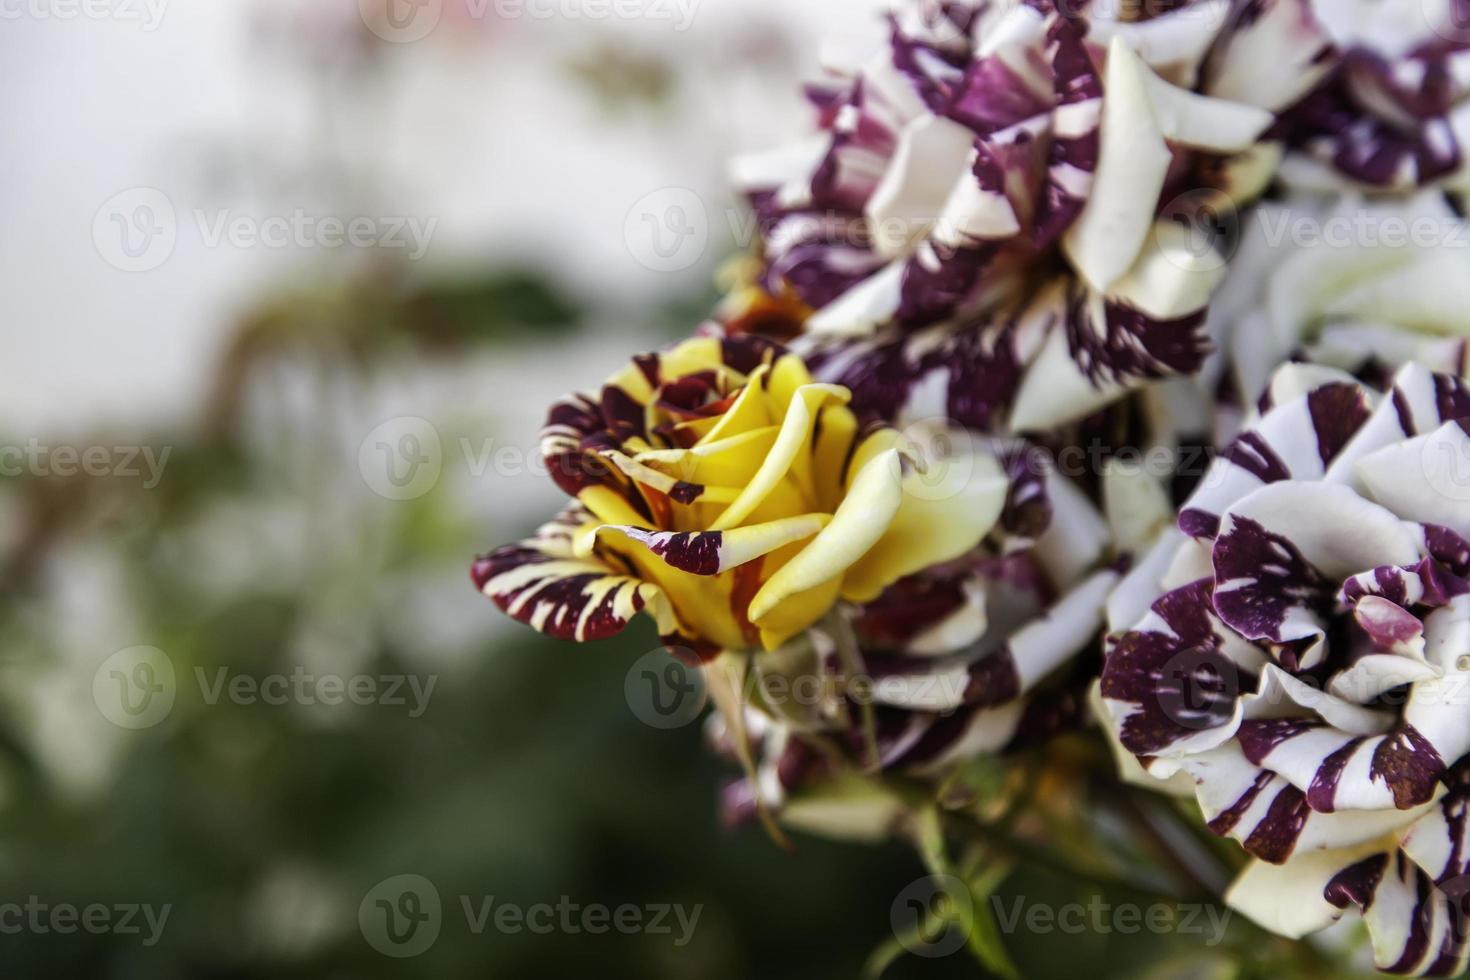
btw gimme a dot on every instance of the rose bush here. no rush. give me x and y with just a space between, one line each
852 499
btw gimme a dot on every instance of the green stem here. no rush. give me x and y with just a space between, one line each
1038 857
974 917
851 656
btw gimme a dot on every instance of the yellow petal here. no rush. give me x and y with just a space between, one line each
875 445
862 518
731 462
748 412
835 434
788 376
608 505
793 440
647 476
797 613
632 381
691 357
944 513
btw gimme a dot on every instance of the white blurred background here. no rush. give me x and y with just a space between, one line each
521 129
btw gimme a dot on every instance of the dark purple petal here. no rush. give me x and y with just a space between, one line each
1178 683
1409 765
969 374
540 582
1270 578
1129 343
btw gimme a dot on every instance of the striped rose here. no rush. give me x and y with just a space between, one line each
1297 654
1389 105
992 214
720 489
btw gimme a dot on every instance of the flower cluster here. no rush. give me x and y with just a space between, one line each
771 528
1020 230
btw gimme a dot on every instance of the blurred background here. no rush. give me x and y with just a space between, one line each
289 286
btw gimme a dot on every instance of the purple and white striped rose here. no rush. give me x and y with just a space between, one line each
986 213
1390 107
1299 650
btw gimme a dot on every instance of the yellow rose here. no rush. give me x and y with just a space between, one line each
724 492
